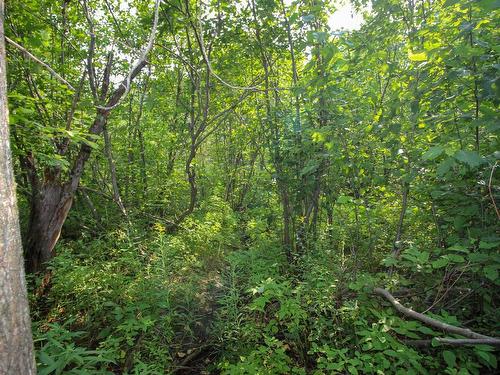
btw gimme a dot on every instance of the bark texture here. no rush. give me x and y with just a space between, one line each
16 344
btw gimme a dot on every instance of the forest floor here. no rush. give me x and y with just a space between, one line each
197 348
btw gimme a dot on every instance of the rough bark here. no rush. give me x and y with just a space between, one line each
52 198
16 344
52 201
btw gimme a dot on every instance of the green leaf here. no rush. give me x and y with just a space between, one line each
445 166
460 248
352 370
308 169
489 4
441 262
425 330
488 245
491 272
455 258
449 358
471 158
433 153
419 56
343 199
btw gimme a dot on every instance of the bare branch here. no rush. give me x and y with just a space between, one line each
28 54
90 53
453 342
491 192
201 43
106 77
138 65
427 320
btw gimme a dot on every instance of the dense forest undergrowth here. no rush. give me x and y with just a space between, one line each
240 187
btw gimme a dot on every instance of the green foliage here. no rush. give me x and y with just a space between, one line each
59 354
263 174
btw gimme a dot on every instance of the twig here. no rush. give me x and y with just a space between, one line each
201 43
28 54
437 300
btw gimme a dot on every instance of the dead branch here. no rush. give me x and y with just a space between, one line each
430 321
491 192
453 342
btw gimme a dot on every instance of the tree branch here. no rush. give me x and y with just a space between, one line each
28 54
124 88
453 342
429 321
491 192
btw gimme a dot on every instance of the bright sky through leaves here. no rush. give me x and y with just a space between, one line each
345 17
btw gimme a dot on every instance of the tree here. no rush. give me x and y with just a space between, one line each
53 191
16 346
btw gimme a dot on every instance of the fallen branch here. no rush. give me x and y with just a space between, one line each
453 342
29 55
429 321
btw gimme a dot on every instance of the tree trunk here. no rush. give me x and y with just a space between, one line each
47 214
16 344
112 171
396 247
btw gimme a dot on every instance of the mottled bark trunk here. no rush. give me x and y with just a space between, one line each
48 212
50 205
16 344
52 198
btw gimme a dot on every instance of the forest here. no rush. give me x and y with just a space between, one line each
249 187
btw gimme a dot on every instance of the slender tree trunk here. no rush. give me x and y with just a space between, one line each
277 158
140 133
396 248
295 75
130 155
112 171
142 152
16 344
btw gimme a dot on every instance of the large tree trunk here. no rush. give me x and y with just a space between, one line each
16 344
46 218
